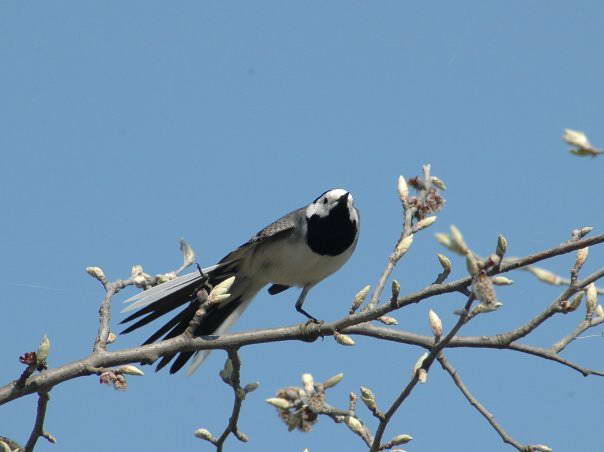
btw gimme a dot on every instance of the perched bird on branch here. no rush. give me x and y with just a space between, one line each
299 249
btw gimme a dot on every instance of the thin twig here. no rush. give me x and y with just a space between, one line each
38 430
235 383
582 327
476 404
427 362
426 342
552 309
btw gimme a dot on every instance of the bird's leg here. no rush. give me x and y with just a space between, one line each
300 302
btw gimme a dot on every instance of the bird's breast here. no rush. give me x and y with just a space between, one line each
293 263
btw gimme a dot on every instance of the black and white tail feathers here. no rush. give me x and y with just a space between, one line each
166 297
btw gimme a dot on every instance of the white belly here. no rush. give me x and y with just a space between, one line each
293 264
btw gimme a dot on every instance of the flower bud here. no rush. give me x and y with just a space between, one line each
188 255
483 289
472 264
359 298
581 232
591 300
136 270
445 262
502 245
220 291
368 398
435 323
396 289
387 320
599 311
482 308
129 369
423 224
438 183
401 439
96 273
309 383
251 387
43 349
242 436
279 403
227 371
545 275
444 239
575 302
354 424
343 339
403 190
403 246
202 433
458 240
582 254
332 381
422 375
576 138
541 448
501 281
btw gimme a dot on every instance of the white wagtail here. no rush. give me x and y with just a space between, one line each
299 249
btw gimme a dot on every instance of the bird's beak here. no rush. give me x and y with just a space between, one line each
343 198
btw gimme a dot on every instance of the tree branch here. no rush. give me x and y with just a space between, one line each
476 404
38 430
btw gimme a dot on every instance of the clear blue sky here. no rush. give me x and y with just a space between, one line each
126 125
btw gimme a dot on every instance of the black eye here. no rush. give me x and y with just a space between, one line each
324 200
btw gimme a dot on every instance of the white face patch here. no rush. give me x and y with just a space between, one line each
327 201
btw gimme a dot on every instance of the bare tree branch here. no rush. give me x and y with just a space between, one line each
427 362
38 430
476 404
234 380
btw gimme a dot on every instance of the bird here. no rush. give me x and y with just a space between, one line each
300 249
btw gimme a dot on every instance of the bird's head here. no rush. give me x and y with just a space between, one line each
327 203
